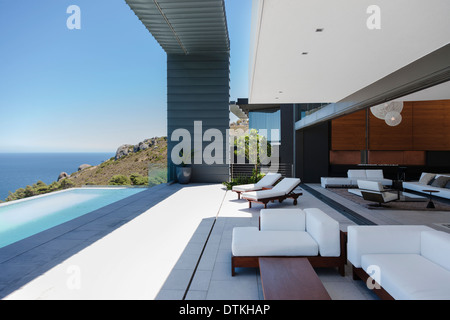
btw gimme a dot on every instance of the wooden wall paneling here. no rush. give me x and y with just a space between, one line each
349 132
431 125
384 137
345 157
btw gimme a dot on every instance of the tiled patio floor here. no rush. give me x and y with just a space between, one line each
170 242
213 280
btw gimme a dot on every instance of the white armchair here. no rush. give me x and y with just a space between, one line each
374 191
290 233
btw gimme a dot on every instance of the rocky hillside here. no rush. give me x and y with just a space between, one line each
130 166
129 159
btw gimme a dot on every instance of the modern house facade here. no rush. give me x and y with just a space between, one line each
316 74
383 53
195 37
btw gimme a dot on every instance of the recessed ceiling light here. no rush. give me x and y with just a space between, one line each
319 30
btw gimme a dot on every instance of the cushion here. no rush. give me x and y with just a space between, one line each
286 185
245 187
355 174
383 239
408 276
249 241
435 246
324 230
440 181
263 194
426 178
389 196
268 180
370 185
282 219
374 174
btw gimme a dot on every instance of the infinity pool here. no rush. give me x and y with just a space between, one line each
24 218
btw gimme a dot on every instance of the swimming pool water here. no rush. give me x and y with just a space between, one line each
21 219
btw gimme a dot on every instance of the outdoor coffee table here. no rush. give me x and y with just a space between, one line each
430 204
290 278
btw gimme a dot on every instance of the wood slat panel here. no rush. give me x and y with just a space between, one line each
431 125
349 132
384 137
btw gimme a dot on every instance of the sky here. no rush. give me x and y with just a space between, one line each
95 88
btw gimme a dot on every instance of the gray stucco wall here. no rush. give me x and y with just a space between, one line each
198 90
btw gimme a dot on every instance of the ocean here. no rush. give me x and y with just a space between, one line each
17 170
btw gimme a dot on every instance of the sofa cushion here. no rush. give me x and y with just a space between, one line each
282 219
435 246
249 241
382 239
325 231
408 276
374 174
440 181
332 181
425 178
355 174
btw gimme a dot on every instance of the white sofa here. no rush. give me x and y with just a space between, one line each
422 184
353 175
408 262
290 232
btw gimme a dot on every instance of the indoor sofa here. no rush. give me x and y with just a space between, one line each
431 181
290 233
353 175
405 262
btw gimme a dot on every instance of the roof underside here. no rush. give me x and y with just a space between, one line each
313 51
185 26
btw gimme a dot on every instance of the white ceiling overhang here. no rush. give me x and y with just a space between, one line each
346 56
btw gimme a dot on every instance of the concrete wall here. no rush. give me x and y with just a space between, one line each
198 90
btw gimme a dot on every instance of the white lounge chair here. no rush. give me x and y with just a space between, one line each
266 182
374 191
281 191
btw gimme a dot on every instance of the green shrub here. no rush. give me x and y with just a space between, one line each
138 180
254 178
66 183
119 180
40 187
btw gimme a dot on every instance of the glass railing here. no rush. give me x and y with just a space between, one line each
157 174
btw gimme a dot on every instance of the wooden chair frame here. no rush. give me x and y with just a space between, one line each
280 199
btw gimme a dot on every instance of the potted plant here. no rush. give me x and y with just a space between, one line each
184 170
